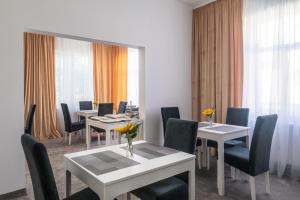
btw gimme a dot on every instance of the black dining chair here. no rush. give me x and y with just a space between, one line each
71 127
256 160
180 135
169 112
173 112
237 117
43 181
29 119
85 105
103 109
122 107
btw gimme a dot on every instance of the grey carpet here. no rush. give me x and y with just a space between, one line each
281 188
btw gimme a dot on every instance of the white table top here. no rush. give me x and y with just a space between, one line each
144 165
220 129
87 112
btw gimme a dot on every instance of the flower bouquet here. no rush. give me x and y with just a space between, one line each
209 113
130 132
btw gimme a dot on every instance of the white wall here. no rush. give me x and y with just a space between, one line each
163 27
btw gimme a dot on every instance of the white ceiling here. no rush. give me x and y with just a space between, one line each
196 3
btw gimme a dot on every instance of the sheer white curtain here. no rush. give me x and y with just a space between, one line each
74 74
272 75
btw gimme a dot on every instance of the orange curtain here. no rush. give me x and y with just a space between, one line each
217 62
110 73
39 83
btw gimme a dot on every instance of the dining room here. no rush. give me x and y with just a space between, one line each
70 81
150 100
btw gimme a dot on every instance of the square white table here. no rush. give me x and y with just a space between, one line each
109 184
87 113
221 133
107 127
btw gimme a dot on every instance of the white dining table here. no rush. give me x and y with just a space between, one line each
221 133
110 172
108 127
103 125
87 113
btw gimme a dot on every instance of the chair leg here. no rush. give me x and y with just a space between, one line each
252 187
232 170
128 196
267 178
237 174
98 134
199 157
208 158
70 138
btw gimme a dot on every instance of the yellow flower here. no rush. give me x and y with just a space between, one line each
208 112
124 129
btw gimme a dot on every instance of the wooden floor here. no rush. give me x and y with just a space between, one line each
281 189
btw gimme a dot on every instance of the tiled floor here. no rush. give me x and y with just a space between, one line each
281 189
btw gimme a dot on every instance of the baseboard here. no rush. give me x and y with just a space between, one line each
14 194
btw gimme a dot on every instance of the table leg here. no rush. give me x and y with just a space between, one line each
141 132
68 183
247 140
80 132
119 138
107 136
221 179
192 182
204 157
87 136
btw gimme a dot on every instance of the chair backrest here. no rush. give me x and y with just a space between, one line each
105 108
85 105
43 181
261 144
181 135
67 117
169 112
122 107
29 120
237 116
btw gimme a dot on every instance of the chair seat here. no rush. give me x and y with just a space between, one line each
167 189
76 126
232 143
238 157
86 194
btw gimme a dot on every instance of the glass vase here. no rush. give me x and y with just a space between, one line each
129 148
210 120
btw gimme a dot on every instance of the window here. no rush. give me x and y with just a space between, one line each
133 76
74 72
272 52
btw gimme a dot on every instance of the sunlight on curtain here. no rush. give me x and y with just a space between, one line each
271 74
74 74
133 76
39 83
